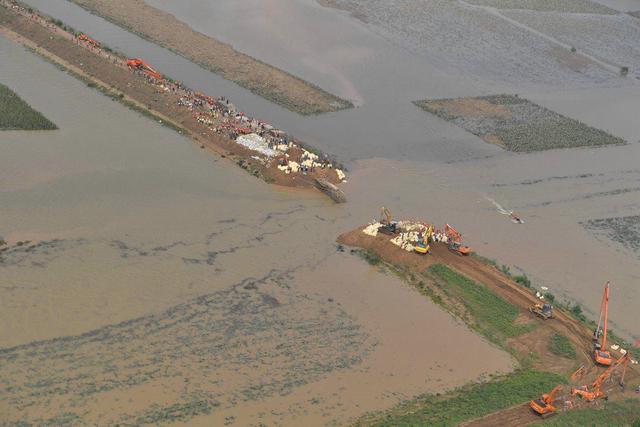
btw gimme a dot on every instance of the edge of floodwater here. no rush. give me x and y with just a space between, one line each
335 103
119 95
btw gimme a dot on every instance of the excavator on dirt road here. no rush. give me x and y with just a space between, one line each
85 38
544 406
389 226
455 241
600 353
139 64
590 394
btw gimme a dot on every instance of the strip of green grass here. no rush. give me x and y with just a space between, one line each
469 402
15 114
494 317
623 413
561 346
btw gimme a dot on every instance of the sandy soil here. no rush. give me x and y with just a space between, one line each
263 79
110 74
536 341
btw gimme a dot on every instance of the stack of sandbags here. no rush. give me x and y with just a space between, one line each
372 229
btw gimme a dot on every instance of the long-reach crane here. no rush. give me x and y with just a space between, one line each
544 406
139 64
596 391
455 241
600 353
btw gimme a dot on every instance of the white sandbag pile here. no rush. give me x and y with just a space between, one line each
341 175
372 229
256 143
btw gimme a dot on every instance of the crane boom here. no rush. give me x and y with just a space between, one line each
596 390
600 353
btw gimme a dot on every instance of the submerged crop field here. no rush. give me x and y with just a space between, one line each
16 114
622 230
517 124
241 344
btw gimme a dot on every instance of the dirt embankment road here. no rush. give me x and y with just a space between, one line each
109 73
536 341
262 79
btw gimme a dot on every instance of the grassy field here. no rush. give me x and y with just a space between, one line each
492 316
468 402
15 114
561 346
624 413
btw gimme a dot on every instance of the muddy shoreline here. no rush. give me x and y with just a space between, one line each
106 71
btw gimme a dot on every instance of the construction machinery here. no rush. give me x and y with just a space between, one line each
600 353
544 311
389 226
422 245
140 65
85 38
595 391
544 406
455 241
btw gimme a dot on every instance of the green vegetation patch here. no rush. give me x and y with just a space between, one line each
517 124
561 346
468 402
368 255
494 317
15 114
622 413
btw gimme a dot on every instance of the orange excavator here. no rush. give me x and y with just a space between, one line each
544 406
85 38
600 353
455 241
595 392
139 64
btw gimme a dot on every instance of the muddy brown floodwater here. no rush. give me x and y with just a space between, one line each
161 285
152 235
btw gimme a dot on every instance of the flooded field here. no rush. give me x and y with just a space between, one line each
148 237
167 285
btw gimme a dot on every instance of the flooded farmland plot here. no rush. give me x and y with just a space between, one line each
624 231
272 340
569 6
612 37
477 40
516 124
